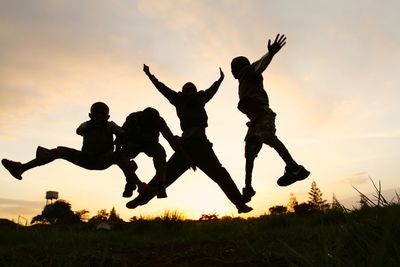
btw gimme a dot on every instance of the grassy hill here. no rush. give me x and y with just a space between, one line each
367 237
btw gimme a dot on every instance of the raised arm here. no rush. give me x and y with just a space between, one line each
262 64
210 92
162 88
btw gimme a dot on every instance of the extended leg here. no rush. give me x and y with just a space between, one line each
176 166
129 168
293 171
159 156
252 148
210 165
43 156
276 144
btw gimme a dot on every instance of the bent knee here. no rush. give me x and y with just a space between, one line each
252 150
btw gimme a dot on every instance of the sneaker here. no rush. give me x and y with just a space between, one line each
15 168
248 193
133 204
44 153
297 174
244 208
129 188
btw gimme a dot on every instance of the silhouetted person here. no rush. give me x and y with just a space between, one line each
253 101
143 129
97 151
193 118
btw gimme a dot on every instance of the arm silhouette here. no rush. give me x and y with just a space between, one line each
162 88
262 64
210 92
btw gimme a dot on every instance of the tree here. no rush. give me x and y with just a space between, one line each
114 217
277 210
83 215
101 216
58 212
315 197
292 203
305 208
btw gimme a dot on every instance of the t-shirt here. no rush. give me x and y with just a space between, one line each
252 95
98 139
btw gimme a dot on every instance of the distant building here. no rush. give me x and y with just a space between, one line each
50 195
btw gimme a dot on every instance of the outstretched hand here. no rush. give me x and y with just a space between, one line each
279 42
221 74
146 69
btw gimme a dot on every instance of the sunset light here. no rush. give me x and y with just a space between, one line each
334 87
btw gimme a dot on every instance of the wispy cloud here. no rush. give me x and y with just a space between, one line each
15 207
356 179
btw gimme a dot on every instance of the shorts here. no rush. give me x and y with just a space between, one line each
262 128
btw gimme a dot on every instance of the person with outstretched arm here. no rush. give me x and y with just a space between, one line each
190 108
254 103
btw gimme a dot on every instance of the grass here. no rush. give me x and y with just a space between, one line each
366 237
369 236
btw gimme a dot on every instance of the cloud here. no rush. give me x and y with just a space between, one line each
357 179
14 207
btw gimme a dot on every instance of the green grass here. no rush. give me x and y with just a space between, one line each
367 237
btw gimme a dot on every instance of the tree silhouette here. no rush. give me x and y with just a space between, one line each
102 216
278 210
83 215
305 208
58 212
315 197
114 217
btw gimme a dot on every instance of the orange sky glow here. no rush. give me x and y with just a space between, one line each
334 86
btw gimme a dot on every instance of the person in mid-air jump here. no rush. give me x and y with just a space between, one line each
193 118
97 151
142 130
254 102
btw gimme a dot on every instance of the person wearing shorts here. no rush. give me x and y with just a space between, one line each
254 103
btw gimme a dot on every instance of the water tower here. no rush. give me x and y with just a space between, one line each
50 195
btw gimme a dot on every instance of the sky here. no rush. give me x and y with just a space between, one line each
334 85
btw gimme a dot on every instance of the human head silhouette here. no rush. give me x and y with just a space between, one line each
189 88
149 118
99 113
237 64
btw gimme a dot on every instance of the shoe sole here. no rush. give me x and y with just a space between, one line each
131 204
248 209
293 179
162 196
